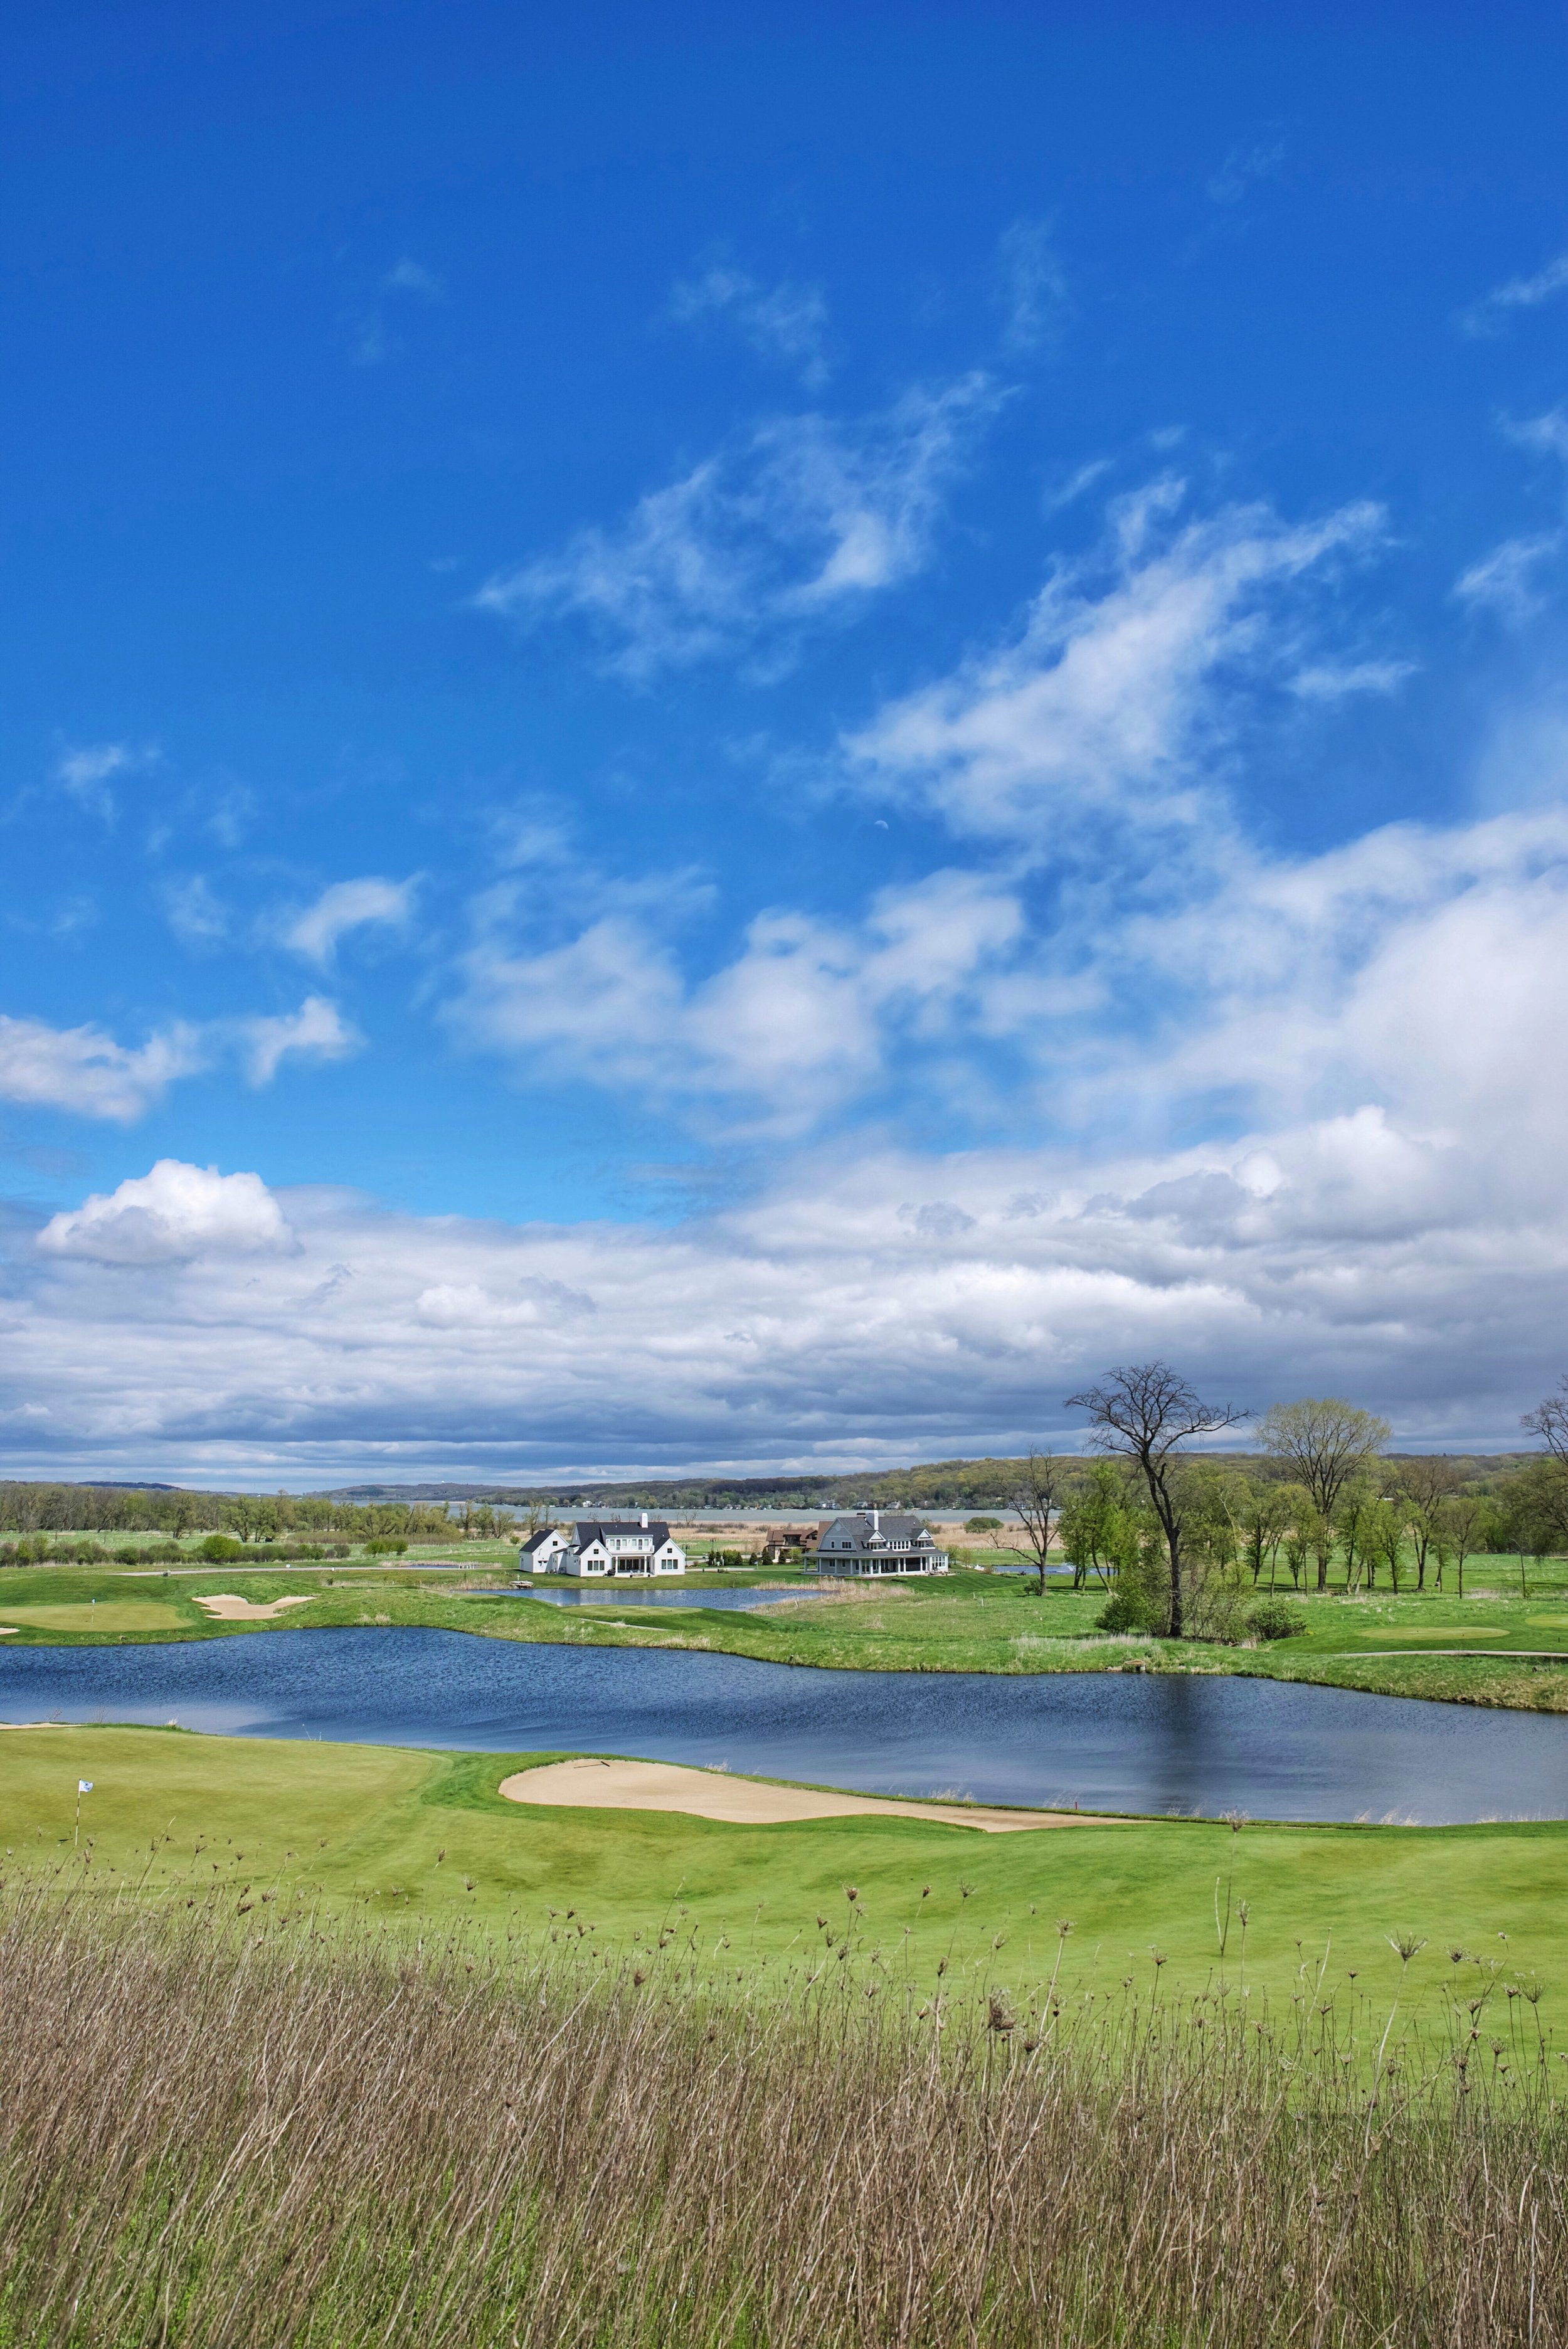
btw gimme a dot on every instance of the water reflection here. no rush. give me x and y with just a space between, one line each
1147 1744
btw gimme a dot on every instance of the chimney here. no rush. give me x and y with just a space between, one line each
876 1521
645 1521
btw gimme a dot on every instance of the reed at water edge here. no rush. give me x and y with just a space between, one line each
220 2139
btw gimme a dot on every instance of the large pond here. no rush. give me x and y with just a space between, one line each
1108 1743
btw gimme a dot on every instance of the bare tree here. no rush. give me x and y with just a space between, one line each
1038 1499
1549 1420
1324 1440
1145 1412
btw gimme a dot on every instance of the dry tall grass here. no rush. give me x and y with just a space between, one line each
216 2144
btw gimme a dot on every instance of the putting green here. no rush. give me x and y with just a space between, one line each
1447 1631
109 1615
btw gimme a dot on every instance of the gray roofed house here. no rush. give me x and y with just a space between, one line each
620 1546
539 1553
880 1541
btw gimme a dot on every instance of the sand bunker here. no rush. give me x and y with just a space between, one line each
590 1784
230 1610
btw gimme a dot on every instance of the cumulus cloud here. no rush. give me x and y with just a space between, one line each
172 1215
794 527
785 321
346 905
803 1019
871 1306
316 1031
1109 697
85 1072
1492 311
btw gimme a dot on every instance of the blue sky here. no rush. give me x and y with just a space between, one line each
736 740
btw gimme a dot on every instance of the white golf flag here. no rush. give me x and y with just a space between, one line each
84 1785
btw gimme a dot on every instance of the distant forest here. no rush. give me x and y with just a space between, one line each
446 1512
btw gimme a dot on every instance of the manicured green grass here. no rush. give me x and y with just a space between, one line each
378 1832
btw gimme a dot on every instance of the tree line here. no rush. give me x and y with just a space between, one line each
28 1509
1183 1544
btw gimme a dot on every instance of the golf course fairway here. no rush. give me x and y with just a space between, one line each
263 1830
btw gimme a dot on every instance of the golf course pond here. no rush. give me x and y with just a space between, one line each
1110 1743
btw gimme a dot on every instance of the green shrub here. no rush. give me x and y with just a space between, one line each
218 1546
385 1546
1276 1618
1125 1611
983 1524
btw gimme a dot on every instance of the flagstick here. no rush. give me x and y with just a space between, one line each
77 1838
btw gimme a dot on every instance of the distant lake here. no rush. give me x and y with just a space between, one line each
1126 1744
613 1595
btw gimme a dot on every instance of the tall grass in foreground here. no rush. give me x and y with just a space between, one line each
222 2142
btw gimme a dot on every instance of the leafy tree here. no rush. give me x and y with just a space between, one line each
1325 1441
1464 1527
1353 1523
1424 1485
1383 1540
1098 1531
1145 1412
1300 1541
1261 1523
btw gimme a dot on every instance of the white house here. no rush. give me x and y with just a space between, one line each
541 1552
878 1541
615 1546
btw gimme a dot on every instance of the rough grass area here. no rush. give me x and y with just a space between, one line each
218 2138
425 1841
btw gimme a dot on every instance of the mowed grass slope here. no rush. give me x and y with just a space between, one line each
269 1830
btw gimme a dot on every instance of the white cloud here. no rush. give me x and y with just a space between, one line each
1504 580
806 1016
85 1072
1110 697
85 772
794 527
196 917
1490 314
1547 435
316 1031
1334 681
346 906
786 322
1031 284
407 276
170 1216
1247 163
866 1304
